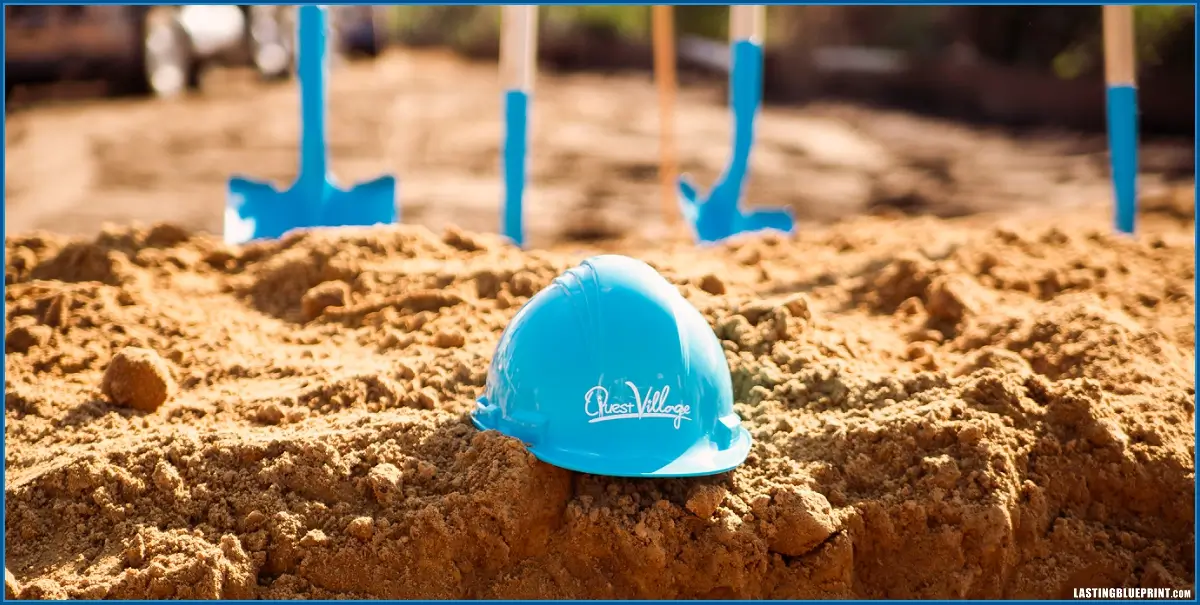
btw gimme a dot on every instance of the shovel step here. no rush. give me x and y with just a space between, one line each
258 210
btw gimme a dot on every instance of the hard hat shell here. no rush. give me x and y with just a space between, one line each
609 370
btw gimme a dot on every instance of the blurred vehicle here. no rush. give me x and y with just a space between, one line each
271 33
47 43
360 28
162 50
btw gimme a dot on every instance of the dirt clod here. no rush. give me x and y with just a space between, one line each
704 500
800 519
948 299
385 481
362 528
712 284
449 338
461 240
23 338
323 296
138 378
270 413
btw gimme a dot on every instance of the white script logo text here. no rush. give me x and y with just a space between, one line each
596 404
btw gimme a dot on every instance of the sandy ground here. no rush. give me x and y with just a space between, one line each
973 407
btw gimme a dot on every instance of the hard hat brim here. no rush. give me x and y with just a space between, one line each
700 460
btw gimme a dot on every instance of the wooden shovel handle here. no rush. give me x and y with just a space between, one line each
747 22
518 46
664 73
1119 62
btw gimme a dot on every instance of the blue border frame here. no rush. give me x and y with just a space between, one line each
1196 235
626 3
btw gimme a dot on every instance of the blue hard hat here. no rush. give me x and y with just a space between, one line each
609 370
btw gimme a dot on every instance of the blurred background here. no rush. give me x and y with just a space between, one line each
141 113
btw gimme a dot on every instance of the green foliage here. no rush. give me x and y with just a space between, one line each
909 28
440 24
461 24
626 21
1154 28
1155 25
707 21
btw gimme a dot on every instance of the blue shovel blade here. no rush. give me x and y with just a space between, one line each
779 219
257 210
365 204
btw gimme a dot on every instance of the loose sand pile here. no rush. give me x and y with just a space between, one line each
940 410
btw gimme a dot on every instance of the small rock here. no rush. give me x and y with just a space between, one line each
704 500
138 378
504 300
970 435
166 235
797 305
524 284
135 552
314 537
269 413
322 296
11 587
948 299
801 518
918 350
460 240
487 283
23 338
1106 432
712 284
361 528
910 306
449 339
166 477
385 480
254 520
423 399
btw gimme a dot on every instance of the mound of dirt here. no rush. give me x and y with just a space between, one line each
939 410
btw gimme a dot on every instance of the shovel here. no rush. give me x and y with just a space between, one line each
257 210
1119 75
720 215
518 63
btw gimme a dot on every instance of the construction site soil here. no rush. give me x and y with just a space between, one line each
995 405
